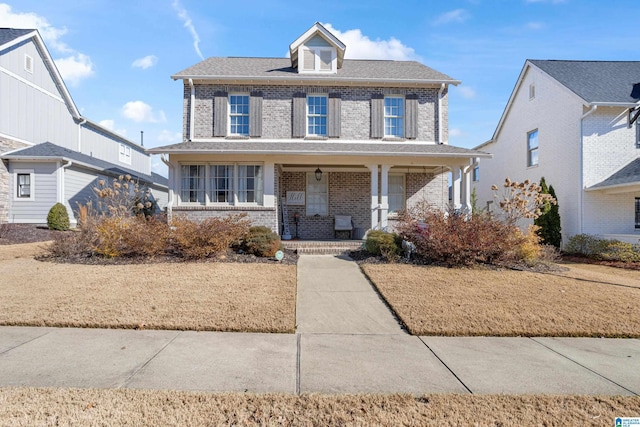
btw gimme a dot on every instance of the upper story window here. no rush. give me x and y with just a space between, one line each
239 115
476 173
317 115
125 154
318 60
28 63
394 116
532 148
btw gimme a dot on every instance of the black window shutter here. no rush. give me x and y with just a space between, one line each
220 114
333 119
299 115
255 114
377 115
411 117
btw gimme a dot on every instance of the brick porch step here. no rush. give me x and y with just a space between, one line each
322 247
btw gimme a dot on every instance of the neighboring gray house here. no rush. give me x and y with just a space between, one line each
314 136
50 152
575 123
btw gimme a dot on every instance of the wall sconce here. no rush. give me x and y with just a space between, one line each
318 174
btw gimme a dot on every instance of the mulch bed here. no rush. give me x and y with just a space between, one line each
12 234
586 260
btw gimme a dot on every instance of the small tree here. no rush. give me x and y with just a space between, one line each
549 219
474 201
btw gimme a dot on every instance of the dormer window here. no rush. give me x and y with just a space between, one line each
318 60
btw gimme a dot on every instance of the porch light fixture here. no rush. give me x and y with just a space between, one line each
318 174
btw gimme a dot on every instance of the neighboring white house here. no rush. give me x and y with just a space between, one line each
575 123
312 137
51 153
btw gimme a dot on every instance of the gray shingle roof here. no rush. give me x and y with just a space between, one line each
627 175
50 150
320 148
596 81
280 68
9 34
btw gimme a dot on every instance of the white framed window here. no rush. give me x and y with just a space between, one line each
317 115
125 154
28 63
394 116
192 184
222 184
250 184
239 114
397 193
317 195
532 148
318 60
24 184
532 91
476 173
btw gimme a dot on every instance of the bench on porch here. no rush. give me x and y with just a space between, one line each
343 223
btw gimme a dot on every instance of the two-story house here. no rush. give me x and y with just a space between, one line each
313 136
575 123
50 152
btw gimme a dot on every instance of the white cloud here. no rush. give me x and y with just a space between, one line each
455 132
455 16
111 125
467 92
75 68
139 111
146 62
188 24
535 25
169 137
360 46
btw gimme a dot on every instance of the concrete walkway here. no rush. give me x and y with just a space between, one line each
347 342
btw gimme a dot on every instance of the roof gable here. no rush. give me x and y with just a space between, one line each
315 35
15 35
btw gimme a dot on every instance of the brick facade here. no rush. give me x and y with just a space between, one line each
278 103
5 179
265 216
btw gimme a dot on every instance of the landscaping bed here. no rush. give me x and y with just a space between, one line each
46 406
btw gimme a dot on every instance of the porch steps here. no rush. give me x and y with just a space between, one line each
322 247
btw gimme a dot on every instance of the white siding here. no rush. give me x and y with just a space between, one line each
44 187
78 188
556 113
106 147
12 60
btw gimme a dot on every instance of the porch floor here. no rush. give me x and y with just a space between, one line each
322 247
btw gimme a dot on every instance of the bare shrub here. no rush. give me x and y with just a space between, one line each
521 200
213 236
261 241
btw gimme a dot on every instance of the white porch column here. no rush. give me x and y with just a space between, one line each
455 186
269 184
466 189
374 196
384 196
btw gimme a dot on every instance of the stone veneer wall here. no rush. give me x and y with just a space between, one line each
5 179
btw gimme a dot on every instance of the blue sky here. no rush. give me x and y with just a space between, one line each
116 56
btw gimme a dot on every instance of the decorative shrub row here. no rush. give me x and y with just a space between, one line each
603 249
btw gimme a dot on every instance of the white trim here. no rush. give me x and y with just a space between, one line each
18 40
403 116
32 187
13 138
34 86
123 156
326 115
317 62
309 80
229 95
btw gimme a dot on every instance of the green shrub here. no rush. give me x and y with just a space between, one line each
58 218
586 244
621 251
549 220
261 241
382 243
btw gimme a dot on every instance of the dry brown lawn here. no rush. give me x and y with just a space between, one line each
48 407
466 302
194 296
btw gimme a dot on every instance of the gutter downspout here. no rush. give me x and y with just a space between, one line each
580 217
80 123
170 195
440 91
192 109
61 198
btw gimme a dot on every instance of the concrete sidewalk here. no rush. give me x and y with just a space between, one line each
347 341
